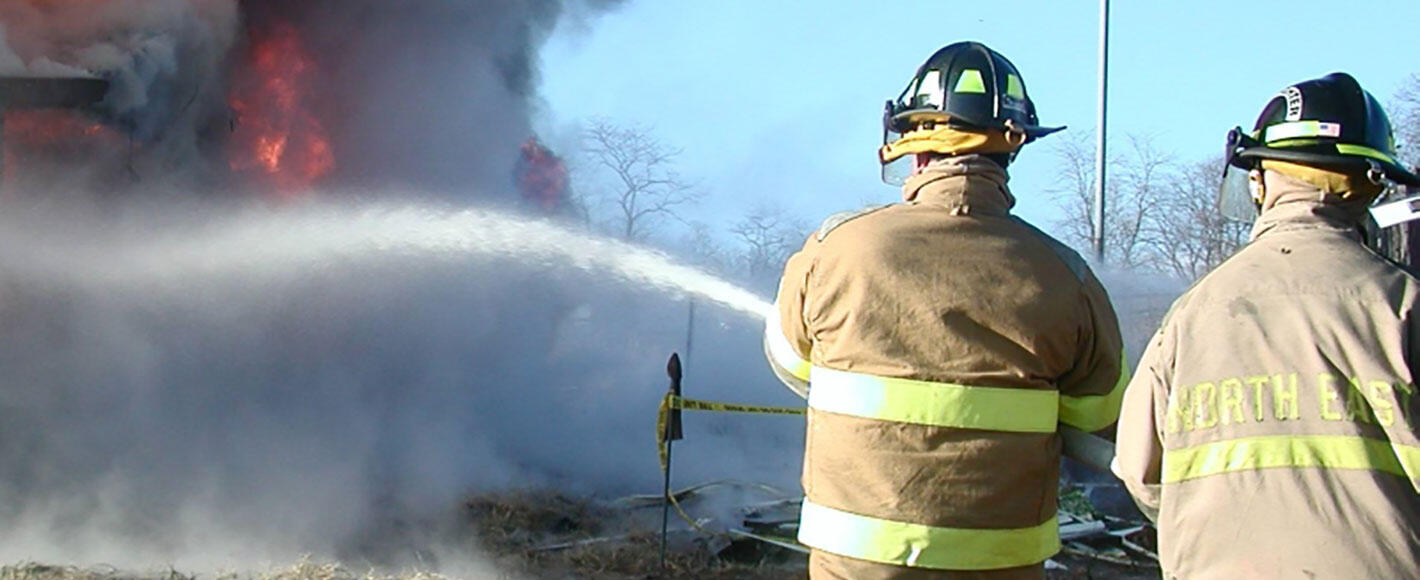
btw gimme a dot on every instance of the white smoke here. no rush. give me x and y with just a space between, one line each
225 387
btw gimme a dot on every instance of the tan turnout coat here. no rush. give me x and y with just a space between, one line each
980 332
1271 422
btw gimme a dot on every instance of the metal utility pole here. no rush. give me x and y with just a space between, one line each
1100 139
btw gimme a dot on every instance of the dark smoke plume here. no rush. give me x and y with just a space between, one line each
432 94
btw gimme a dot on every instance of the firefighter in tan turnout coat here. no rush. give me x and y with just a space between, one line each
1271 423
940 341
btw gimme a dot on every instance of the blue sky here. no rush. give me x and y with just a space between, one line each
782 100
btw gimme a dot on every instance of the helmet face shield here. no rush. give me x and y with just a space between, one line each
896 171
1235 199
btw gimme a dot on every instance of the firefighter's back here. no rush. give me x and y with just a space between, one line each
1290 442
948 289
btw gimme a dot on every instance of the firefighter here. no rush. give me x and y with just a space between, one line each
939 342
1271 426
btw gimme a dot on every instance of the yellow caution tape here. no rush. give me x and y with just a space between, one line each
672 402
699 405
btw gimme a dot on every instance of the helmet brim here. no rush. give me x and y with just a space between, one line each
1035 131
1393 171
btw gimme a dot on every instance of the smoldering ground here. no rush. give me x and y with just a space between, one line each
216 389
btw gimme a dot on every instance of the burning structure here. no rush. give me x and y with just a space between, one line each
285 97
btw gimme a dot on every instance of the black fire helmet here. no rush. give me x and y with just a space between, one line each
1330 122
969 85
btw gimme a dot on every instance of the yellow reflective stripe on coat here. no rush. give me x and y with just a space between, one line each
780 351
1320 451
935 404
1094 412
921 546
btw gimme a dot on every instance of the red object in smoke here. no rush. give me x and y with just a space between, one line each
51 128
276 135
541 176
37 141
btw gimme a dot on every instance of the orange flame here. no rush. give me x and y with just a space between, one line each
541 176
276 135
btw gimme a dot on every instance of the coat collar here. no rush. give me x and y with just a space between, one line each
966 184
1300 206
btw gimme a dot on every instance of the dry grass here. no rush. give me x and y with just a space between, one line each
304 570
546 535
31 571
528 535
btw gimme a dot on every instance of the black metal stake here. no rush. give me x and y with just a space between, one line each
673 432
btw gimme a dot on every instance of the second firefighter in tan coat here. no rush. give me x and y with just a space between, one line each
940 341
1272 422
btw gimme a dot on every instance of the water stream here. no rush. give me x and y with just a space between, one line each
267 242
202 387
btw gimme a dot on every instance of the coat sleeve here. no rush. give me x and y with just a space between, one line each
1090 394
1139 450
787 342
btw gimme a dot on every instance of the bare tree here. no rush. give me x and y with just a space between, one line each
767 236
703 250
1074 186
1189 236
1406 112
1136 177
641 185
1161 216
1140 181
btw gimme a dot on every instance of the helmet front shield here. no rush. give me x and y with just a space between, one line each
1235 197
896 167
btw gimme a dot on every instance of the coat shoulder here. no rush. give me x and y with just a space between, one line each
840 218
1072 259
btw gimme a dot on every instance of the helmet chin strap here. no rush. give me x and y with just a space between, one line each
1376 174
1015 135
1256 188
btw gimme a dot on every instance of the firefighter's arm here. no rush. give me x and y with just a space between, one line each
1090 394
1139 449
786 338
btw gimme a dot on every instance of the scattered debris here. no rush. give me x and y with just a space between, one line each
552 536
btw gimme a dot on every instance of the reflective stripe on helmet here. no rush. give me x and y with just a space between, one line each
781 353
1295 451
1014 87
1095 412
1295 129
1363 151
922 546
970 82
1341 148
934 404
